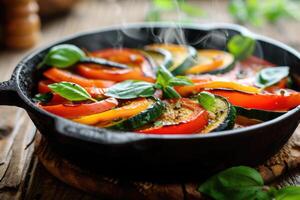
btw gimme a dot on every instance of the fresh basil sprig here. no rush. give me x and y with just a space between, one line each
71 91
270 76
241 46
131 89
66 55
165 81
207 100
239 183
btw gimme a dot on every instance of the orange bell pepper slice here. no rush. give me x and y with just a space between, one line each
132 109
140 68
78 110
58 75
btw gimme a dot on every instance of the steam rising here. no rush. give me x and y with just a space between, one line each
215 39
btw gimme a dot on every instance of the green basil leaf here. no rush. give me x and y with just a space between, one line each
131 89
241 46
288 193
163 76
164 4
191 10
180 80
207 100
171 93
270 76
236 183
63 56
70 91
44 98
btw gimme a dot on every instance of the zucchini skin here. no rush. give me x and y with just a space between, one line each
187 63
229 122
167 56
262 115
223 70
143 118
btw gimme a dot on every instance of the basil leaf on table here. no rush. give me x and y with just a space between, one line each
63 56
131 89
241 46
207 100
288 193
70 91
270 76
44 98
236 183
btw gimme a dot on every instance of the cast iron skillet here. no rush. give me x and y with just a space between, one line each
134 154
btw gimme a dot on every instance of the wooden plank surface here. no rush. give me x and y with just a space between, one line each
91 15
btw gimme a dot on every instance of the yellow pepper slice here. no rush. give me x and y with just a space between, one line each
198 87
126 111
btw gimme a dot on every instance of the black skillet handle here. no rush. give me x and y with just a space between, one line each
8 93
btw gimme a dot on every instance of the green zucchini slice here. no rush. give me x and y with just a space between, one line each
212 61
154 111
223 118
159 57
183 56
262 115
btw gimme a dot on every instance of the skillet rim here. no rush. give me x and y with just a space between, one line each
102 135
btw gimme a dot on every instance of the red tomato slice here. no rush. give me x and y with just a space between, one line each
79 110
193 123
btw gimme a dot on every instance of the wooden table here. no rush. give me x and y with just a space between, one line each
26 178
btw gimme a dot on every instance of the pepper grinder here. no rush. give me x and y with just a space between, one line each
22 24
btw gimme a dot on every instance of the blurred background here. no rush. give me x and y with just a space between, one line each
28 24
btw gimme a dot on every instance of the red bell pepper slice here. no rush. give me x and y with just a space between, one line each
194 123
78 110
140 67
264 101
58 75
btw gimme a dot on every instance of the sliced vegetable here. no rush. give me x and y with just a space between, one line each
58 75
275 102
263 115
77 110
124 112
159 57
182 116
222 116
213 62
200 86
183 56
270 76
103 62
154 110
139 67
